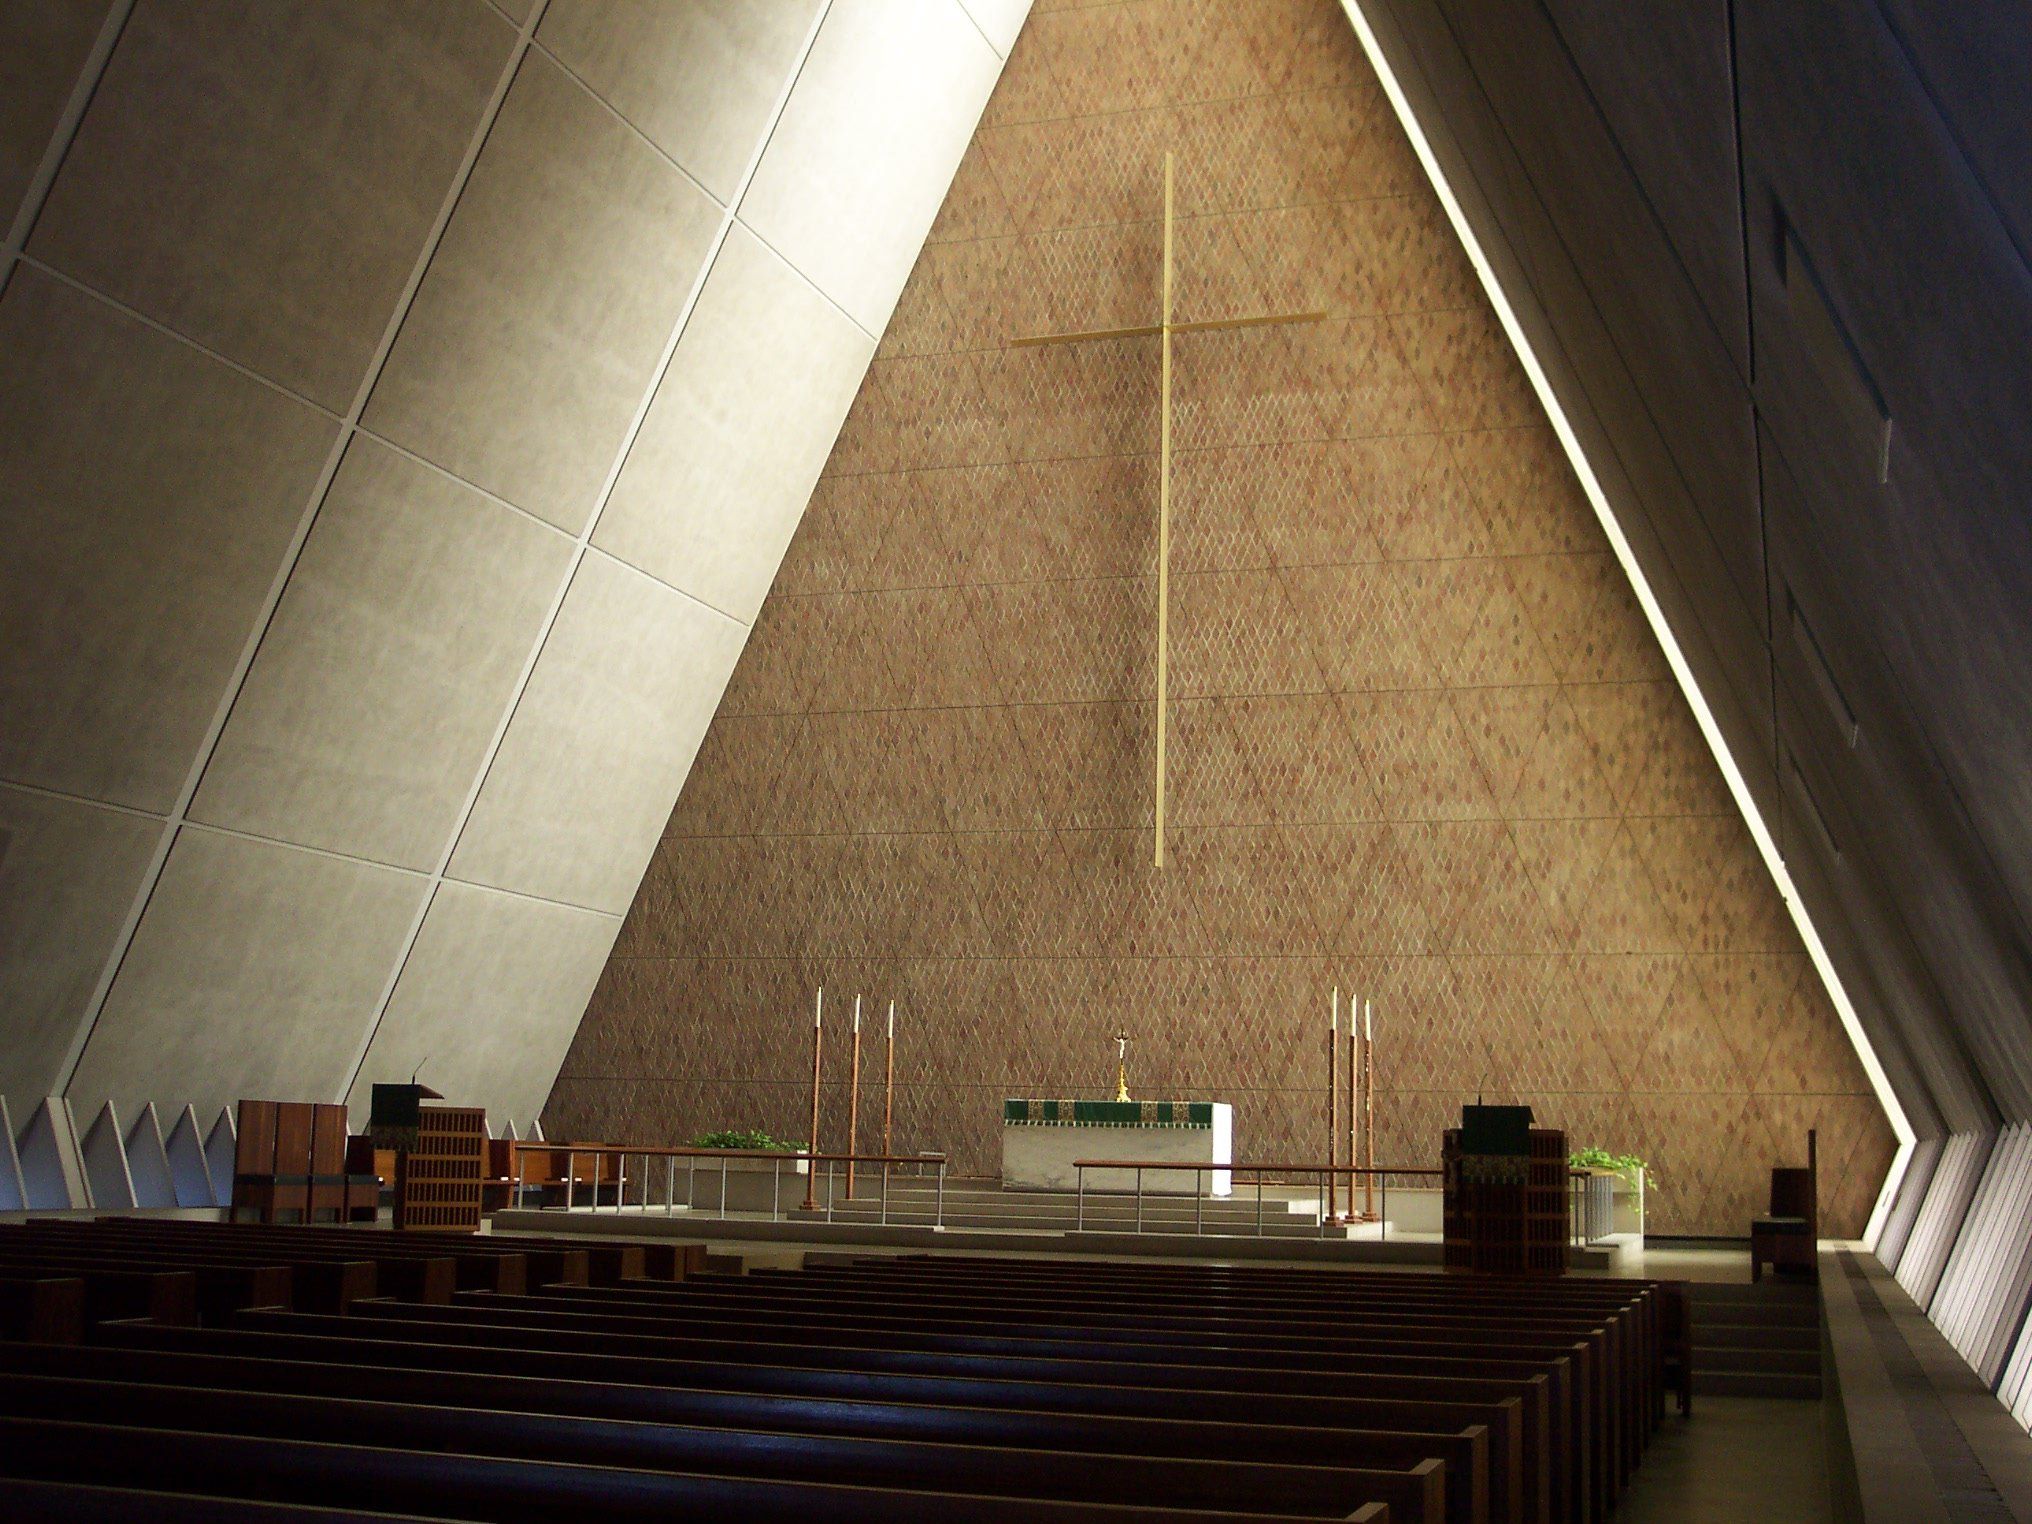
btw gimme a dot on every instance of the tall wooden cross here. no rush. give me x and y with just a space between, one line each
1163 329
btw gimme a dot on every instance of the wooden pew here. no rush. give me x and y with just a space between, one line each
411 1271
1465 1452
222 1287
83 1503
1626 1387
607 1264
42 1309
113 1290
1223 1393
330 1342
314 1282
979 1337
1581 1361
476 1262
529 1491
911 1465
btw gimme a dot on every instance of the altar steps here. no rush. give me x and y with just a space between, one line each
1759 1340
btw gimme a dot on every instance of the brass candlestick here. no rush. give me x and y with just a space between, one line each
1121 1066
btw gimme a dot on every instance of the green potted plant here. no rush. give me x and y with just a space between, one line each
749 1138
746 1183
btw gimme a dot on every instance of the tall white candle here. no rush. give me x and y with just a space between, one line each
1334 1021
818 1009
1368 1022
857 1013
892 1018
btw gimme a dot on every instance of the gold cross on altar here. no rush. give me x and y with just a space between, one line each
1164 328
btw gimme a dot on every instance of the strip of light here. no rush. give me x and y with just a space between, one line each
1590 484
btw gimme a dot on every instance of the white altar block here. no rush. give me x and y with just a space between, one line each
1042 1141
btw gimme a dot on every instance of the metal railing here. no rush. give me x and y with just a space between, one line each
600 1153
1325 1172
1590 1197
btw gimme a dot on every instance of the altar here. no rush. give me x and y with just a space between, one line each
1041 1140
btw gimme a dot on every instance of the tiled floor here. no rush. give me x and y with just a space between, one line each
1741 1459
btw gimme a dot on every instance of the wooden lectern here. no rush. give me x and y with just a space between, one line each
440 1157
1505 1194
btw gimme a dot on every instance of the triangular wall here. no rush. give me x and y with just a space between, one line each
1423 744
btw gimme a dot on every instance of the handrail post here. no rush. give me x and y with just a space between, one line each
1139 1198
690 1181
829 1189
723 1188
1383 1219
885 1193
571 1171
1080 1222
940 1224
1198 1204
669 1183
521 1177
1259 1203
775 1189
1324 1176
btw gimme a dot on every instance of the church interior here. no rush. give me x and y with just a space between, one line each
1068 760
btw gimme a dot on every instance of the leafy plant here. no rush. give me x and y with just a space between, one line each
1626 1165
753 1137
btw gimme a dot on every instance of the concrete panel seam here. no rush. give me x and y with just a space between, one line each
320 488
591 526
66 131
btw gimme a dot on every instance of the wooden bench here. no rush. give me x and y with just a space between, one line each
331 1342
979 1336
539 1492
220 1288
311 1282
42 1309
911 1465
1629 1385
1464 1452
880 1387
413 1272
1212 1395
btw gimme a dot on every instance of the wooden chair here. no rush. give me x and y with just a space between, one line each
1787 1237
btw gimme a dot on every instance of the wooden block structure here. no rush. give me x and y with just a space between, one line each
554 1379
289 1164
1507 1213
439 1178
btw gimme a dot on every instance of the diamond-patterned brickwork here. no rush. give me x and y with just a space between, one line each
1423 744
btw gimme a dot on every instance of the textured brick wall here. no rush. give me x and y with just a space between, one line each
1423 744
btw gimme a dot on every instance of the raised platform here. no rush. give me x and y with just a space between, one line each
982 1215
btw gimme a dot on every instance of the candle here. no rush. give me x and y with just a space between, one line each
857 1013
892 1019
1368 1022
1334 1021
818 1010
